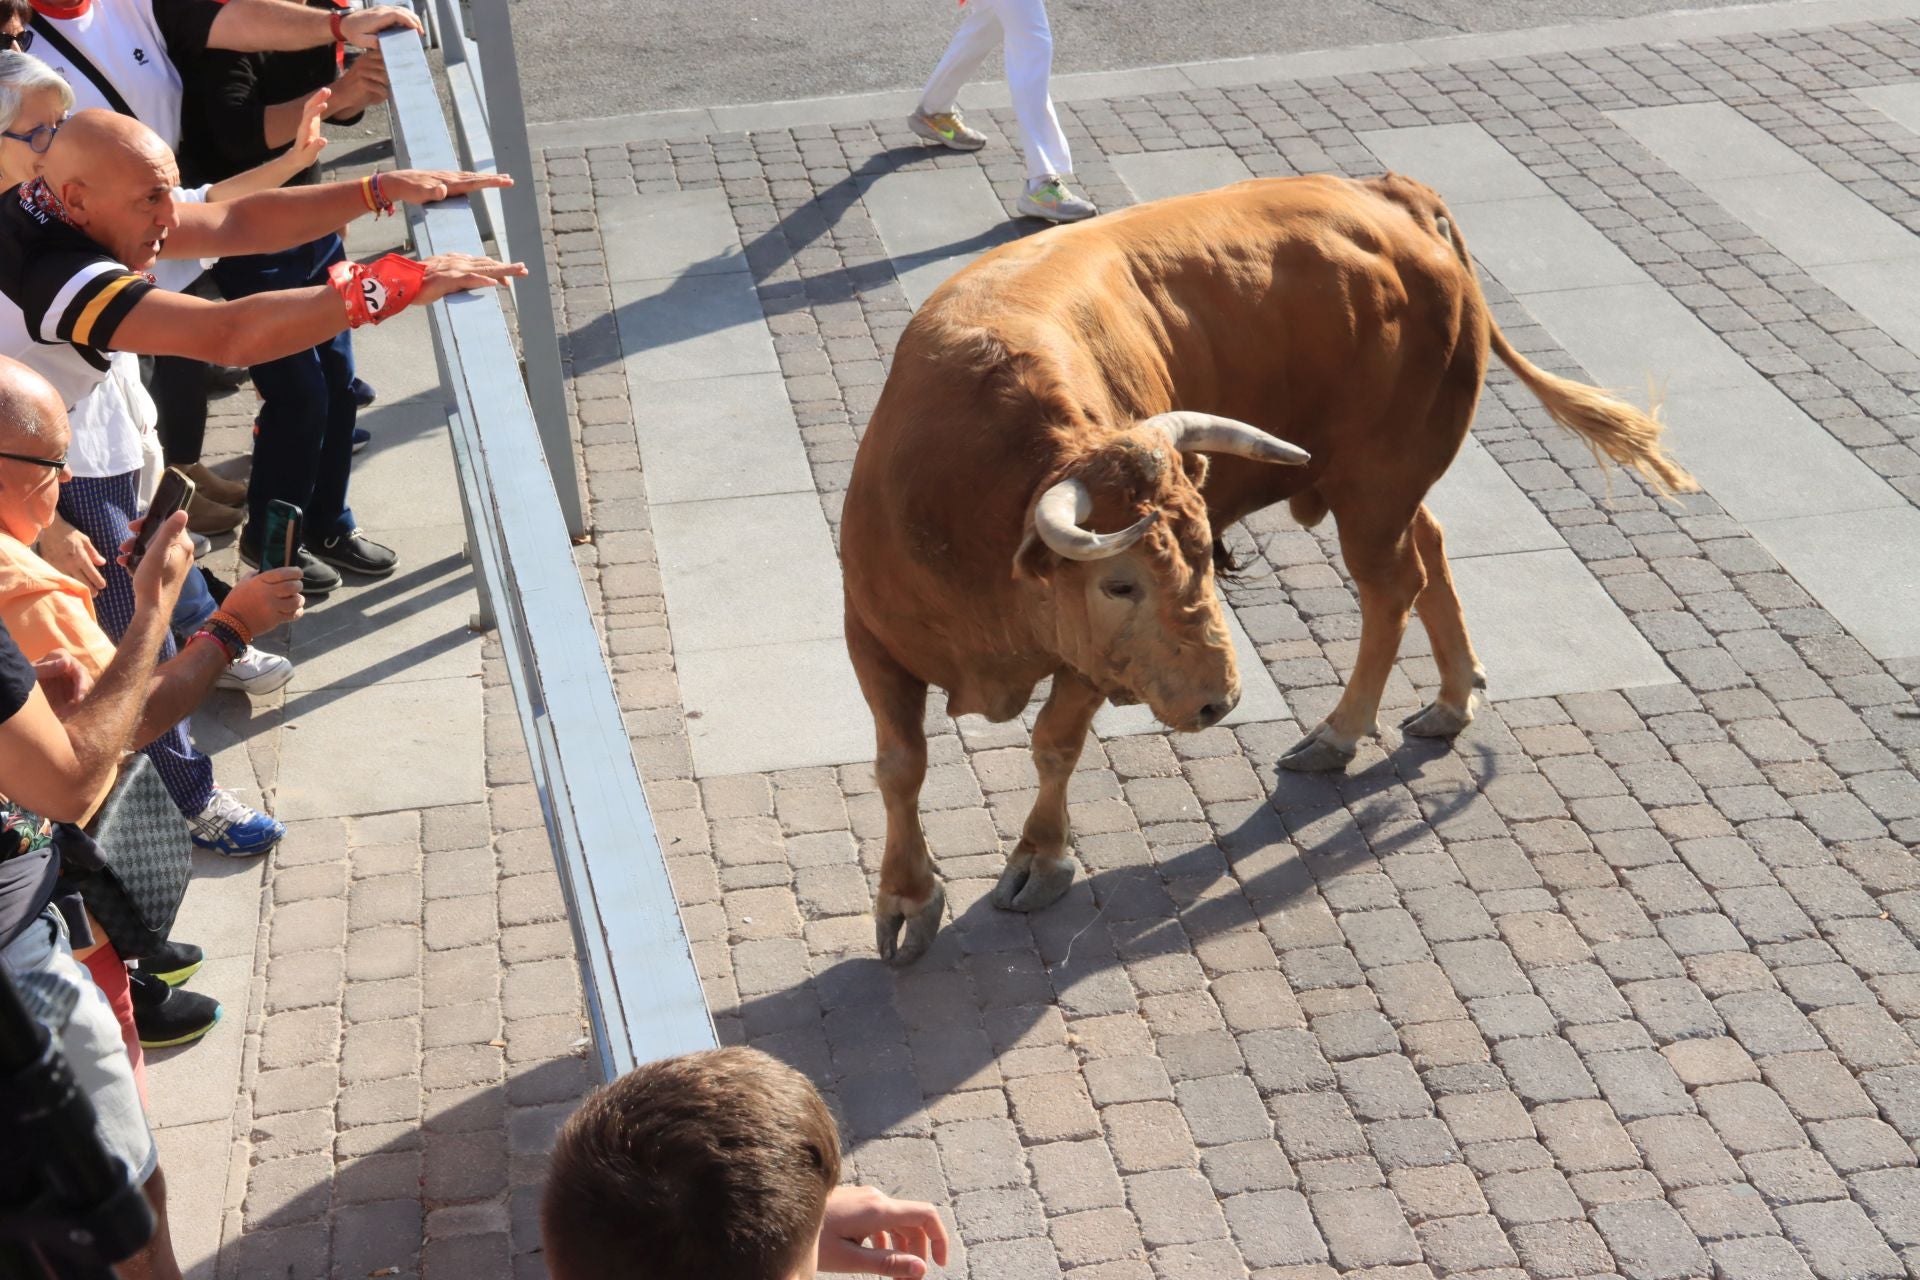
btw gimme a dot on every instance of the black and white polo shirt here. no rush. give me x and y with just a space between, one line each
122 55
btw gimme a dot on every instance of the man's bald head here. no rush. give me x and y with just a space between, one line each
93 144
114 178
32 416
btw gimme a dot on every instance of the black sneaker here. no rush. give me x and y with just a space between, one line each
315 578
174 962
363 395
165 1017
357 554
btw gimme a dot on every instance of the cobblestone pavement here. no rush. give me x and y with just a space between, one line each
403 1029
1620 983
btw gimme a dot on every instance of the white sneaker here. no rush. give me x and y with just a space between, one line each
229 827
947 129
201 546
255 672
1056 202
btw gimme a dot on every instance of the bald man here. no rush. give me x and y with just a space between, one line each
75 245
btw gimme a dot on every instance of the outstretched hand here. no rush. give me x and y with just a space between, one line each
867 1233
457 272
424 186
308 139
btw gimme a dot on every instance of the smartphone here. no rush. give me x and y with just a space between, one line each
174 492
282 535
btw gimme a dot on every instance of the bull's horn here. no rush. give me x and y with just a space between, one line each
1207 433
1057 517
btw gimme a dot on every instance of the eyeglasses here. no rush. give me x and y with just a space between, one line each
51 464
38 139
19 41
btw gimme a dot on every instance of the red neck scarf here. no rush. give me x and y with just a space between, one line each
62 9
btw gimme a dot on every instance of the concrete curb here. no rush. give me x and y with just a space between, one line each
696 122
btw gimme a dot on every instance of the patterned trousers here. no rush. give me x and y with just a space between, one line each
100 507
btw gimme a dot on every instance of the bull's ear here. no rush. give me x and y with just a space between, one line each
1196 468
1034 561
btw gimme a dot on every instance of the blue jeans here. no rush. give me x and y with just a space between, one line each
303 438
195 605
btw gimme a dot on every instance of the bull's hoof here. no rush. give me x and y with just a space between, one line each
1318 752
902 932
1031 882
1437 720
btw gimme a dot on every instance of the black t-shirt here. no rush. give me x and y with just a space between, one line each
28 864
71 292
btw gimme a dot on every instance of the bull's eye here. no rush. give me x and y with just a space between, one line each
1118 590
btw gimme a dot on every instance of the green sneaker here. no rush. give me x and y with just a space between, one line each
1055 202
947 129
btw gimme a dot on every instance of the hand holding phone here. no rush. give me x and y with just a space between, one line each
173 494
281 538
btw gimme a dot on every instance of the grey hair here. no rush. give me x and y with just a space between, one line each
22 74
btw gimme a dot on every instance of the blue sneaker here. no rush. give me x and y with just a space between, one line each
229 827
361 438
361 392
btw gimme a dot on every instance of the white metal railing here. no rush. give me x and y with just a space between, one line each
643 995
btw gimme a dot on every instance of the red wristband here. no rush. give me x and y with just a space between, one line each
334 21
375 290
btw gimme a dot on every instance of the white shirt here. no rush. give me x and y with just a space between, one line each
126 41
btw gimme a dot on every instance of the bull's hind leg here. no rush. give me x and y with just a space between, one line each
910 896
1386 570
1439 608
1039 870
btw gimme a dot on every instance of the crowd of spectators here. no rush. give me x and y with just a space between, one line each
165 231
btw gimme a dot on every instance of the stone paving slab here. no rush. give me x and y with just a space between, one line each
1557 631
771 550
1155 175
1618 984
728 437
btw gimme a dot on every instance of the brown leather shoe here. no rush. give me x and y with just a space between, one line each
207 516
215 487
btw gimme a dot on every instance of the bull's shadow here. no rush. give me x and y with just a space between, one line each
685 310
887 1043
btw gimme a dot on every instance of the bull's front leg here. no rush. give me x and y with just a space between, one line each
909 903
1039 869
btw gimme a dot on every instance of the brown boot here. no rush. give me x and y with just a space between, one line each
204 515
214 487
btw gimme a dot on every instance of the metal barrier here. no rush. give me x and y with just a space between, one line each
643 996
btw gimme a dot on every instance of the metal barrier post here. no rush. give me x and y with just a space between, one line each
539 341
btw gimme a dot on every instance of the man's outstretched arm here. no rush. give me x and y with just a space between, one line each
281 26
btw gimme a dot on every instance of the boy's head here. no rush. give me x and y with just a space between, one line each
710 1165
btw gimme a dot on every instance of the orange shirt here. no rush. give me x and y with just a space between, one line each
44 610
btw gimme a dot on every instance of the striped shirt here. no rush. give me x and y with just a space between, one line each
71 293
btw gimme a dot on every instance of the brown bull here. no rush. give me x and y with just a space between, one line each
1104 376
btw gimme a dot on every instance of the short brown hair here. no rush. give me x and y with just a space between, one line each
710 1165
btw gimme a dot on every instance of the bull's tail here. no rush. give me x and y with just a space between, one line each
1611 427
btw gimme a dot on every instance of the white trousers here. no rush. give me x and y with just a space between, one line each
1022 26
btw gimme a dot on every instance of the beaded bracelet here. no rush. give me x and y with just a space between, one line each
382 206
241 631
